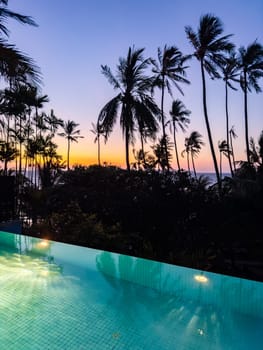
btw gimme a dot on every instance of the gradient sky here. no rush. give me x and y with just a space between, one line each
75 37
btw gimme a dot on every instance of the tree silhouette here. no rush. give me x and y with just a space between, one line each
170 69
14 65
250 60
179 118
209 48
193 145
133 99
98 131
230 71
223 150
232 134
71 134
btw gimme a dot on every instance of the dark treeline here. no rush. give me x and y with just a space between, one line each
169 217
150 209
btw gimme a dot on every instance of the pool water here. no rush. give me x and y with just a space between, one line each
58 296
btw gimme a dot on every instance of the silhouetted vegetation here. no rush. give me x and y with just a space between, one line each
169 217
150 210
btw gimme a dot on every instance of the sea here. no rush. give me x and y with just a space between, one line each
212 176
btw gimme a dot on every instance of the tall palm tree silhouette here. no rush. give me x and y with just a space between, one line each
53 122
193 145
170 69
133 98
71 134
98 131
230 71
179 118
224 150
209 48
250 60
232 134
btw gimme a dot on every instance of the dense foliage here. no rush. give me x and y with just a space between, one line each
163 216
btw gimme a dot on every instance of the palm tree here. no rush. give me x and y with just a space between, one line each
133 98
193 145
179 115
232 134
209 48
98 131
37 103
52 122
170 69
160 153
14 65
7 153
250 60
223 150
147 127
71 134
6 13
187 151
230 71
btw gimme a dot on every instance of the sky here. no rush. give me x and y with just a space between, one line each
73 40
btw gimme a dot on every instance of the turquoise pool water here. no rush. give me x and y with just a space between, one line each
56 296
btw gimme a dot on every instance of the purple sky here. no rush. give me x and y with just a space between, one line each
74 38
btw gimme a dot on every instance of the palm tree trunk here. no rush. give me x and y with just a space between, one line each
8 127
5 167
246 118
175 147
208 127
99 150
20 146
188 162
193 163
127 149
227 132
142 147
163 124
35 164
233 155
16 164
68 154
220 165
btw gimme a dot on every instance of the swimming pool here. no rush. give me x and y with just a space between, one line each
56 296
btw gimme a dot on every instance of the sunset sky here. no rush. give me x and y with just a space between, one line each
74 38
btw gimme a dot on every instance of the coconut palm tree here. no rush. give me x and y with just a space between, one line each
223 150
133 99
232 134
14 65
160 154
98 131
179 118
7 153
147 127
71 134
169 70
209 48
230 74
38 102
250 60
193 145
52 122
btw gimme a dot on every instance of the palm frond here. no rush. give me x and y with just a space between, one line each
108 114
106 71
6 14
